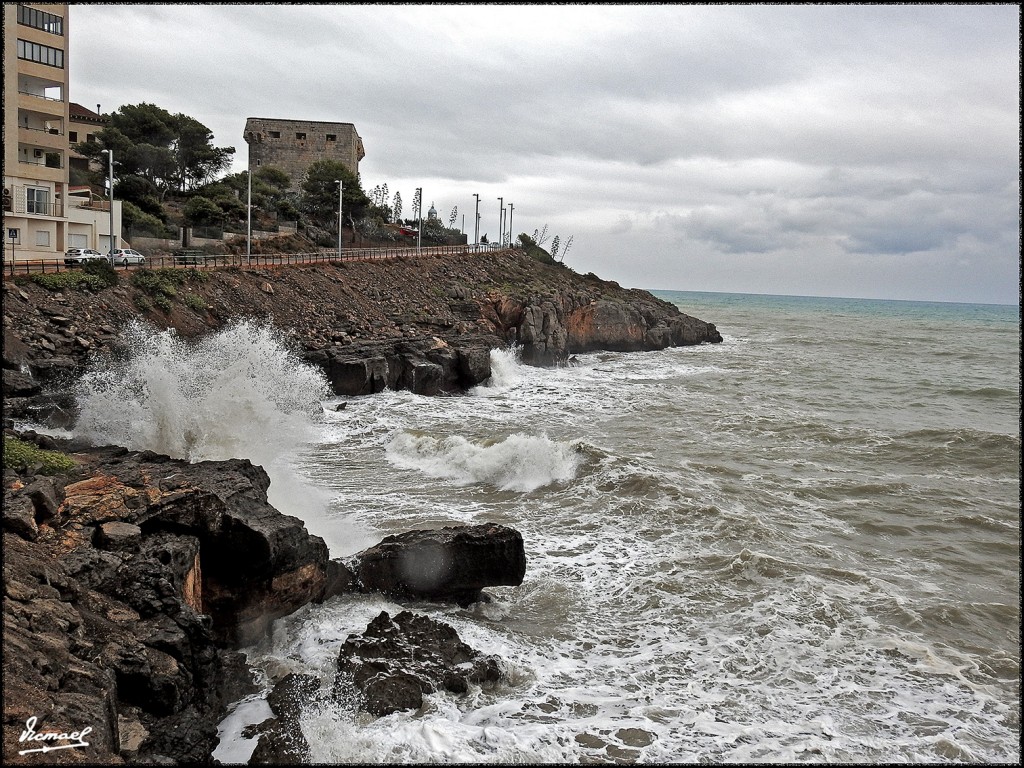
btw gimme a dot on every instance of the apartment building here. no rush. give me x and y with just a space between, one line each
40 219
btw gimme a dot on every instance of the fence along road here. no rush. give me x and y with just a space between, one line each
197 259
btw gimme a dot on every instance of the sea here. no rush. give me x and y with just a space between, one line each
801 545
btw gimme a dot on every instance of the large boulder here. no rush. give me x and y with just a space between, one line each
394 662
453 564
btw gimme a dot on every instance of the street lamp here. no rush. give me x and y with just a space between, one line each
510 209
476 232
419 218
110 181
501 221
341 187
248 207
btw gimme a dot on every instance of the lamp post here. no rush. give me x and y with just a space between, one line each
341 187
419 218
248 208
501 221
110 181
476 231
510 209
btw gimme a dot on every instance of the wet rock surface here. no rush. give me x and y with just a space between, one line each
127 583
451 564
130 580
396 661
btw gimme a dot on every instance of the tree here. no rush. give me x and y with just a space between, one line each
170 151
565 250
397 208
202 211
320 192
451 219
198 161
554 248
416 203
135 220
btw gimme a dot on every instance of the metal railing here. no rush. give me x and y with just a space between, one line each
195 259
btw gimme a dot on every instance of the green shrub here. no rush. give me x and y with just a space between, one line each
142 303
92 276
162 284
194 301
20 455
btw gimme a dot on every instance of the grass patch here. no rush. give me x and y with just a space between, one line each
161 285
20 455
93 276
194 301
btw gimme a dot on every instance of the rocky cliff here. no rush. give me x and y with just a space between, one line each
426 324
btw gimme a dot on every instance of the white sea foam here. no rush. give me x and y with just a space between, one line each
237 393
506 372
517 463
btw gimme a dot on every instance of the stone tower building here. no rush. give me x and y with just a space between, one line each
294 145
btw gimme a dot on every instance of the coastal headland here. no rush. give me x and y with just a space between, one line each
131 578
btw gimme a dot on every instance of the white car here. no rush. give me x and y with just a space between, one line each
82 255
126 256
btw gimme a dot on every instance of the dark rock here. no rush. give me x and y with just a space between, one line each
280 738
395 661
19 384
16 353
19 515
118 536
451 564
43 490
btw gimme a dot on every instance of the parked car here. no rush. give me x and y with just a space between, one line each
126 256
82 255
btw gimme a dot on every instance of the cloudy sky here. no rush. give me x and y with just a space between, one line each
864 151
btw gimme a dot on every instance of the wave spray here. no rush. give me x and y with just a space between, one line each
239 393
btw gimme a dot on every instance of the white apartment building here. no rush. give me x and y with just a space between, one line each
40 218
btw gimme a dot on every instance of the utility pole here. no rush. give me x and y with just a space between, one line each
110 181
510 209
476 232
501 221
341 187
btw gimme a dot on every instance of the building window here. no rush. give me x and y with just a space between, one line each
37 200
275 134
33 17
90 139
300 135
73 137
332 137
43 238
43 54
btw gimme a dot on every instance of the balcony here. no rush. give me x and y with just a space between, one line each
48 139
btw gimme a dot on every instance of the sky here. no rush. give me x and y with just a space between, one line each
863 150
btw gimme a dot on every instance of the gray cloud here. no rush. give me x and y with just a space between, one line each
844 150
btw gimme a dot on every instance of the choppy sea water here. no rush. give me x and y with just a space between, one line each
799 545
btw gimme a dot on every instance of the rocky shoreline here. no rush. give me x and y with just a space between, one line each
132 578
426 324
